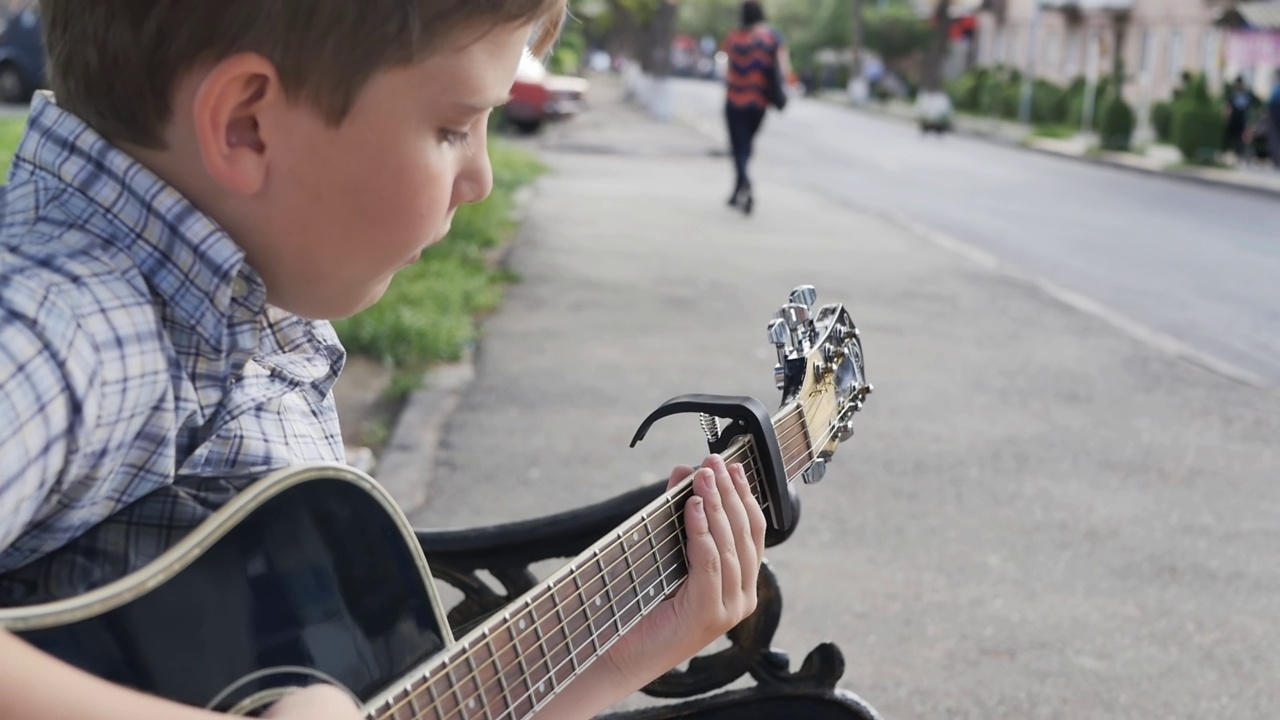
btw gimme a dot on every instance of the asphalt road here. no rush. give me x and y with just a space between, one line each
1197 264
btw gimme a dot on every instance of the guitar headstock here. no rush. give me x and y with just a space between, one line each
820 368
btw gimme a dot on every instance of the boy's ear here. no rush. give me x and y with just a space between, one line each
227 108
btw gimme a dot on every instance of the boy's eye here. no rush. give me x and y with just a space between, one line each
455 137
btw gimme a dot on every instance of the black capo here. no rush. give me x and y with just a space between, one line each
746 416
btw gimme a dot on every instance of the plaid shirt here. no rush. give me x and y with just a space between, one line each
145 379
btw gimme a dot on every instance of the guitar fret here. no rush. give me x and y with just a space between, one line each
413 703
550 627
524 669
478 698
529 632
564 629
435 699
610 605
396 707
626 597
635 581
501 677
455 693
657 558
542 646
586 614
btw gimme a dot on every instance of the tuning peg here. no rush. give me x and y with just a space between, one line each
815 472
794 314
778 332
805 295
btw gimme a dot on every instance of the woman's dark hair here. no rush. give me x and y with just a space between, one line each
752 13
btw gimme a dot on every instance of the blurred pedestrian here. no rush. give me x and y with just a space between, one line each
1273 122
757 62
1239 101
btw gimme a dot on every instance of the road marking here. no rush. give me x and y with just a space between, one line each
1142 333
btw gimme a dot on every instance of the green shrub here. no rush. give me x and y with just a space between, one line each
967 91
1197 131
1046 103
1115 124
1162 121
1198 124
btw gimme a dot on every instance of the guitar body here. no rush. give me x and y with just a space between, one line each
311 575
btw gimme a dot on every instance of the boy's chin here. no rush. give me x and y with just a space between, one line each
331 307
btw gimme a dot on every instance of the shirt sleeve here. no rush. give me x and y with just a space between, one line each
36 419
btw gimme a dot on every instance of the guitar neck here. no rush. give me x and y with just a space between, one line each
517 661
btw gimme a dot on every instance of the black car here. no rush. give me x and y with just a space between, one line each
21 53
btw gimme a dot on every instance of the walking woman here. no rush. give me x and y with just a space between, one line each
756 58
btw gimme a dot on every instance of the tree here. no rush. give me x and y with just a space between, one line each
857 37
931 73
701 18
896 31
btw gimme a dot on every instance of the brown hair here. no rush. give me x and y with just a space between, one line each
115 63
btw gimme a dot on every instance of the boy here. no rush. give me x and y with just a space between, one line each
208 185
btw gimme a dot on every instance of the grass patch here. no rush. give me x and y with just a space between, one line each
10 133
1054 132
428 314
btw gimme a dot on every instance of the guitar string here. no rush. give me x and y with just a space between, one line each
608 587
588 625
476 700
483 687
677 496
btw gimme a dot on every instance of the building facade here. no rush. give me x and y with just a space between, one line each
1161 40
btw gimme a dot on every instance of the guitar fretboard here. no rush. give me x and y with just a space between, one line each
519 660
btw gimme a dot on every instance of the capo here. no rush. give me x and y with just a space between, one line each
746 416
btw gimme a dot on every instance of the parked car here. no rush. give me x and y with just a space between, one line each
539 96
22 70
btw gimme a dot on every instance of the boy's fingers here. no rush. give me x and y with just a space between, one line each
700 552
710 487
755 514
739 523
678 475
749 551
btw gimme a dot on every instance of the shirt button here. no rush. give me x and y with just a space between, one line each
239 288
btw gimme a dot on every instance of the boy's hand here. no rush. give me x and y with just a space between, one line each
317 702
725 529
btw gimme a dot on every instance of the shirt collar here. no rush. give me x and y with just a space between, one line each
194 266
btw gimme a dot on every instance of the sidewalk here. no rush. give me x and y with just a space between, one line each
1040 516
1166 162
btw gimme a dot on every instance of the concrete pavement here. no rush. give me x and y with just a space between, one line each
1040 516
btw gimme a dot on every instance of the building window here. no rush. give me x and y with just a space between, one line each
1147 56
1093 53
1211 48
1072 65
1052 48
1175 54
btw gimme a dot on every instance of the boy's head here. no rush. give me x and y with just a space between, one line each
333 139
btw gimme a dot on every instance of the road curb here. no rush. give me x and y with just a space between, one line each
408 462
1091 160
